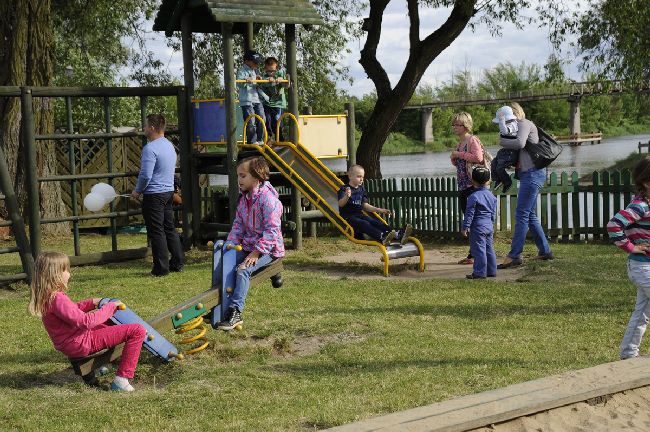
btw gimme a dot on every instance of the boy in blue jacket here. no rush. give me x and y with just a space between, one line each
479 223
249 99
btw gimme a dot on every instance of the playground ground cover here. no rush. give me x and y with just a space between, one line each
321 351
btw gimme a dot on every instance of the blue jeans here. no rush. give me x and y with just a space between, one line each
371 226
272 116
482 249
243 281
505 158
530 183
639 274
254 130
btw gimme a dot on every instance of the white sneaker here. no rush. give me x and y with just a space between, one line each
260 143
121 384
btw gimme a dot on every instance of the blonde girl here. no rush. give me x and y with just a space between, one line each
80 329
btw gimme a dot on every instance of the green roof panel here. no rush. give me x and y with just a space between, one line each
208 14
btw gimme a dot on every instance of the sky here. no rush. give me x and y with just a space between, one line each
474 50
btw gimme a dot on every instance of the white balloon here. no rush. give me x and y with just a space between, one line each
94 201
105 190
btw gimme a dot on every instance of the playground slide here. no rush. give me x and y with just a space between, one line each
320 186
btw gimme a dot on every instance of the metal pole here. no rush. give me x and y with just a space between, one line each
18 224
231 122
31 174
109 156
311 226
186 162
351 130
73 171
292 69
249 37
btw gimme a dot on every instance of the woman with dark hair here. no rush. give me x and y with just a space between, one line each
531 180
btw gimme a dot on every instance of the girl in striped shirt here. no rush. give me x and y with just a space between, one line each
630 231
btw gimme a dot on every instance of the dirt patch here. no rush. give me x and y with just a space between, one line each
438 264
629 410
296 346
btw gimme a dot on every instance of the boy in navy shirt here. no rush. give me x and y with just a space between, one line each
479 223
353 200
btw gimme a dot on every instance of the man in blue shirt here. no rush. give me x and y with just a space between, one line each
156 186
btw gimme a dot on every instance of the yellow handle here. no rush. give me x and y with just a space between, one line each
235 247
121 306
243 81
211 244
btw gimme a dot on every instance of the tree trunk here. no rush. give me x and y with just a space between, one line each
390 101
27 27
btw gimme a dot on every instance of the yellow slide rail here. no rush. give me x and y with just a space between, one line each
316 199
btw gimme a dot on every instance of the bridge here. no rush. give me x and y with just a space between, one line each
573 92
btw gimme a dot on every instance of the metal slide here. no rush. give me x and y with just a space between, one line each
320 186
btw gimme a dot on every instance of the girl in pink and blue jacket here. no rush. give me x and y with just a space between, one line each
256 228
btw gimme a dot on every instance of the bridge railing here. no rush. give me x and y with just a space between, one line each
537 93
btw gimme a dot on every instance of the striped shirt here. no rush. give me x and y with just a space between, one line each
630 227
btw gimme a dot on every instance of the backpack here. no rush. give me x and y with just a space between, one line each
545 151
487 159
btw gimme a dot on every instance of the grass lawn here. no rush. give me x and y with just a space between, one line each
320 352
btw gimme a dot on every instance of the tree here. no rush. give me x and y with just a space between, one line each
614 38
26 26
391 100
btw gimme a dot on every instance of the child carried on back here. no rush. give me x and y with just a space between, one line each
504 158
353 201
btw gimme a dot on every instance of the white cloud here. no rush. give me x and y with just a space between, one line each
476 51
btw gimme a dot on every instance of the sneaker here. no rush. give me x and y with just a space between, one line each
406 233
260 143
466 261
233 319
388 237
546 257
121 384
474 276
513 263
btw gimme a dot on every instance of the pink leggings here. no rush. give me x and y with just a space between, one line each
108 336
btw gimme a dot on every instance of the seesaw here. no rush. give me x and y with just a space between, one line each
182 317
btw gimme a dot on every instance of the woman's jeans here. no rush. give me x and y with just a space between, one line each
639 274
530 183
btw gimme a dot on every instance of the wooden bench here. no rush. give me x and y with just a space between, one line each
86 366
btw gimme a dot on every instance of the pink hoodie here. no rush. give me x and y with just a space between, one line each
69 324
257 221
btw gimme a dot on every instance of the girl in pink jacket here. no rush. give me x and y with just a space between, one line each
256 228
79 329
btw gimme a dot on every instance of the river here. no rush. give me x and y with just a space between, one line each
584 159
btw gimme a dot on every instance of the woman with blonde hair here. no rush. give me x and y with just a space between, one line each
531 181
468 151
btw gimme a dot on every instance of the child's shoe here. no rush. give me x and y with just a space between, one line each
405 233
474 276
121 384
388 237
233 319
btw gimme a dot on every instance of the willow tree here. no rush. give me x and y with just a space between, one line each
27 29
461 14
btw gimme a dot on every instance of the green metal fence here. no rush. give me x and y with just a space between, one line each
569 208
71 139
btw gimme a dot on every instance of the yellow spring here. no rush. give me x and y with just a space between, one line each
195 324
